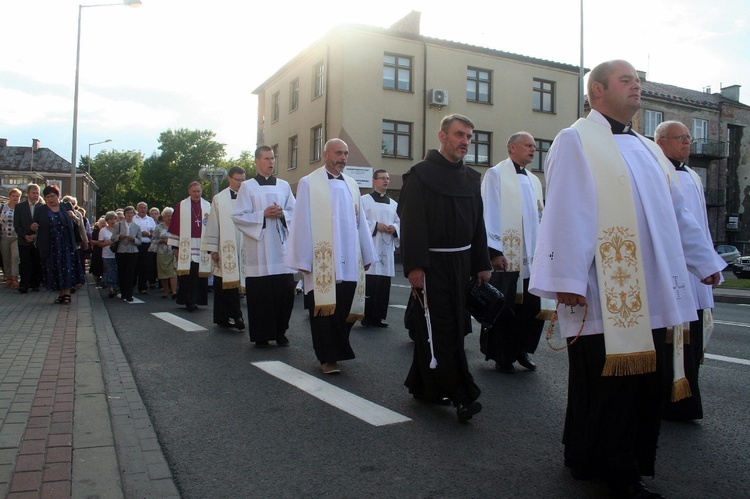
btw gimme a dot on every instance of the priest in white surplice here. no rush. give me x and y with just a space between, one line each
674 139
513 204
617 241
262 212
223 241
330 243
385 226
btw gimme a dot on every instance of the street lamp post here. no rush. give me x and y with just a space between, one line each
73 160
89 156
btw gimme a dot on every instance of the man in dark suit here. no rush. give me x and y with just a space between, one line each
23 222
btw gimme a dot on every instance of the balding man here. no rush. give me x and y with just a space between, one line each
330 243
513 204
614 248
674 139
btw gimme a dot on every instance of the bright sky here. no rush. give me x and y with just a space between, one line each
193 64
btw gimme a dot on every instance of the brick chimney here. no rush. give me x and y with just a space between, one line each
3 142
409 23
35 144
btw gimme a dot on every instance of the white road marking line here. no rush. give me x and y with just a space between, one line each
401 286
358 407
729 323
403 307
181 323
727 359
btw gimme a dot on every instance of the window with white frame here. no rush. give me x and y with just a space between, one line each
700 129
479 149
294 95
652 120
396 139
275 100
316 143
293 144
318 80
397 72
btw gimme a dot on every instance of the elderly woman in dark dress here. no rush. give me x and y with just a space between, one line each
57 245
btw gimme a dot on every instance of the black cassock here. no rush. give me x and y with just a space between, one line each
441 209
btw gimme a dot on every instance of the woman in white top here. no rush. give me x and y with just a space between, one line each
109 268
9 239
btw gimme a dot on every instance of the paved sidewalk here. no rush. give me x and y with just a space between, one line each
72 423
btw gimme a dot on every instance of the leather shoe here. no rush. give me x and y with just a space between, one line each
633 490
505 368
330 368
191 307
433 400
466 411
282 341
526 362
261 344
239 324
364 323
23 291
224 324
379 324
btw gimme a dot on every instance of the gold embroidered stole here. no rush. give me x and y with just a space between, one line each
619 264
324 270
184 241
229 252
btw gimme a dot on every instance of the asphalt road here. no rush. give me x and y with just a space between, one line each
230 429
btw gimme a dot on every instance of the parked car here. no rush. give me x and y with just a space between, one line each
728 253
741 267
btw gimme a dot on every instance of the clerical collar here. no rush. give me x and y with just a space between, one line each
339 177
520 170
232 194
619 128
271 180
380 198
678 165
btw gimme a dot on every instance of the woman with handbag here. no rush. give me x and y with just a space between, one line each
127 236
56 240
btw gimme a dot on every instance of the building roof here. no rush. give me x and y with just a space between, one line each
500 54
18 158
684 95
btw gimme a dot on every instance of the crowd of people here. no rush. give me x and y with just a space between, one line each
619 241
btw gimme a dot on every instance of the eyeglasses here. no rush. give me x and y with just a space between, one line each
682 138
237 179
383 178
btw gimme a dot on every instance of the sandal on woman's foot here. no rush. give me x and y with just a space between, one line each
63 299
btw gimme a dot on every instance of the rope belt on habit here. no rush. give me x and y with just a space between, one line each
450 250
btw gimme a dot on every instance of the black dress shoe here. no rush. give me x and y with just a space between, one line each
633 490
466 411
23 291
433 400
239 324
505 368
365 324
380 324
191 307
526 362
282 341
224 324
261 344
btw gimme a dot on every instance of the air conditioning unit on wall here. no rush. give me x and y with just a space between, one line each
437 97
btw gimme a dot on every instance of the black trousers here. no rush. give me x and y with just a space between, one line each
146 265
270 300
226 302
378 293
330 334
126 268
612 422
192 289
30 266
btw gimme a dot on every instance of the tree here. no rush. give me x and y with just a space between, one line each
114 172
164 178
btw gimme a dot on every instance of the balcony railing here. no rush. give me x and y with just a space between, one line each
705 148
